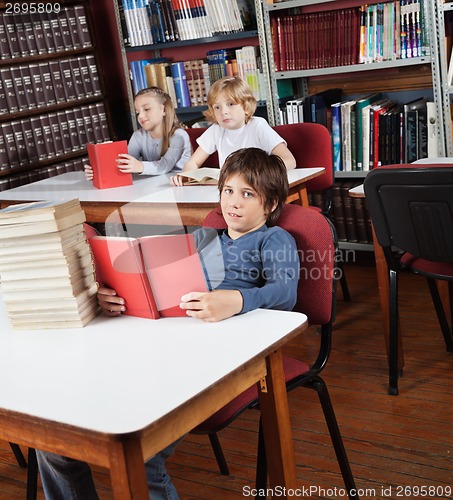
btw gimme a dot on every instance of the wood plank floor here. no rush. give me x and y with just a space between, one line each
392 442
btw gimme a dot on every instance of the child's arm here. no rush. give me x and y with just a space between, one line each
110 303
285 154
129 164
195 161
212 306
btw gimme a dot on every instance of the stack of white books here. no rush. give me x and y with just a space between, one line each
46 267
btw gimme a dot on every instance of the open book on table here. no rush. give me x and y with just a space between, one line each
201 176
150 273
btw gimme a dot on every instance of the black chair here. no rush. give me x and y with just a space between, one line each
411 207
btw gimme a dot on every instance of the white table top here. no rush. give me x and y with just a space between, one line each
357 192
121 374
151 189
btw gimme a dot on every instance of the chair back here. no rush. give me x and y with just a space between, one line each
311 145
194 134
411 207
316 245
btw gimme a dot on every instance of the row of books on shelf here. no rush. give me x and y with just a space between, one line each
49 135
40 173
350 215
42 84
188 82
370 131
366 34
46 268
148 22
27 34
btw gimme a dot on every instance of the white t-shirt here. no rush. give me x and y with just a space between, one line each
256 133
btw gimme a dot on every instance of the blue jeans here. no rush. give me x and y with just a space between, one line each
67 479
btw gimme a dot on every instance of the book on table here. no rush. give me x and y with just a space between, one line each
46 267
103 160
203 176
150 273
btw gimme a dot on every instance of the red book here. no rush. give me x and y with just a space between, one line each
151 273
103 159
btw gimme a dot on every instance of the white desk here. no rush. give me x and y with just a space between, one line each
119 390
150 199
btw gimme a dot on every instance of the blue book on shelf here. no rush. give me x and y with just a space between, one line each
336 136
179 81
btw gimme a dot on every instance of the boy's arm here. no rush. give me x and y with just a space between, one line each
285 154
212 306
280 267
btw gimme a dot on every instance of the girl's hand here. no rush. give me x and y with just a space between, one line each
88 172
129 164
212 306
111 305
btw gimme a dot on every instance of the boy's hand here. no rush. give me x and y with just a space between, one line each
212 306
128 164
110 303
88 172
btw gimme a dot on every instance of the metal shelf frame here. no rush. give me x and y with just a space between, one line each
442 92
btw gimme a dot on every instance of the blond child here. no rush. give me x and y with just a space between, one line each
231 108
161 145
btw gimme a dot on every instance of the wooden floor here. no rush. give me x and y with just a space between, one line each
392 442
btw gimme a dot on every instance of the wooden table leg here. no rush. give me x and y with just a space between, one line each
127 471
277 427
384 291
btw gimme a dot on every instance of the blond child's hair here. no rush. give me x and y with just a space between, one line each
170 121
238 90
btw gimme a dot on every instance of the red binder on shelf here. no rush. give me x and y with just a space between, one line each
103 159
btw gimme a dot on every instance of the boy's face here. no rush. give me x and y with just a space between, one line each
150 112
228 114
242 208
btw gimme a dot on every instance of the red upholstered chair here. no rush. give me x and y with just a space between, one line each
194 134
315 236
311 145
411 208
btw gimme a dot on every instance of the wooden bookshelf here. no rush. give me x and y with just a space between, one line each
52 92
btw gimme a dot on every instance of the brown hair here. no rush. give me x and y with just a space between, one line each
237 89
266 174
170 120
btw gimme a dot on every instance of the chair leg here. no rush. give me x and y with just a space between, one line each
343 282
444 326
393 332
19 455
261 466
218 452
32 475
320 387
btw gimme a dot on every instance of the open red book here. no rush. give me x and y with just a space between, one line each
151 273
102 159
